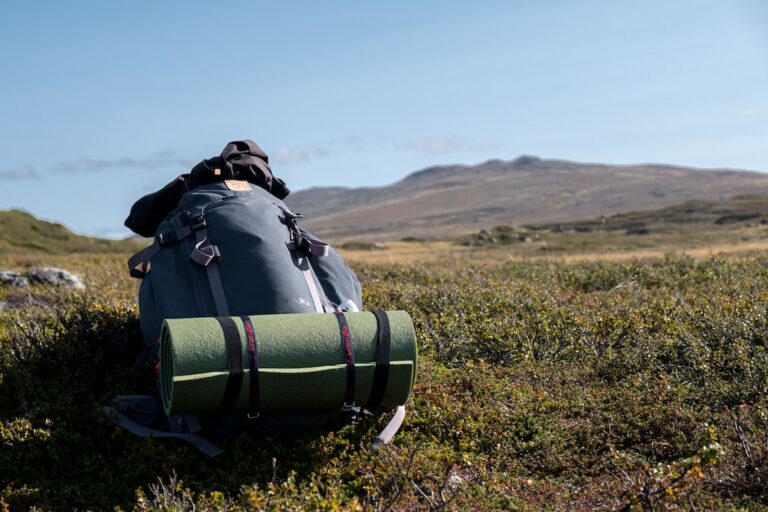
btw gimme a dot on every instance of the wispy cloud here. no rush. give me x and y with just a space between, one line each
445 145
286 156
748 113
23 172
162 159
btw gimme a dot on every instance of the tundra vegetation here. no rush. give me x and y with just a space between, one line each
543 384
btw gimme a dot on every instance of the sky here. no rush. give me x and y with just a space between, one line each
102 102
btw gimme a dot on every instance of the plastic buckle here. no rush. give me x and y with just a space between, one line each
348 407
197 222
205 255
253 417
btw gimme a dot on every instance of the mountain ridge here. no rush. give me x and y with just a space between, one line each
449 200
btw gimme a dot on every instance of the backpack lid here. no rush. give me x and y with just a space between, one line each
240 160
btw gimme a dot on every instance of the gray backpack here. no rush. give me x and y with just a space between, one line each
228 247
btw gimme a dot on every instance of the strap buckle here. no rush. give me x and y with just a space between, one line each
348 407
253 416
197 222
203 255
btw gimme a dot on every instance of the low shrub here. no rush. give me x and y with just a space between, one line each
635 385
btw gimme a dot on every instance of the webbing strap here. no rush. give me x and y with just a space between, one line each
314 289
382 356
315 246
234 363
141 259
253 364
199 442
391 429
349 359
206 255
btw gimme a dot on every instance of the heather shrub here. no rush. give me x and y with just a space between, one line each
592 385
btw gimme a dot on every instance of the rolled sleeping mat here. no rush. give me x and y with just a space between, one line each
287 362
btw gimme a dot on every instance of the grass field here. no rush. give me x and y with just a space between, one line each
569 247
591 380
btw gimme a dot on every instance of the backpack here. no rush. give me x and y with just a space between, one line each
225 244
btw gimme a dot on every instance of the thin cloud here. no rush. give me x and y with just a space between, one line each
749 113
23 172
169 158
286 156
446 145
162 159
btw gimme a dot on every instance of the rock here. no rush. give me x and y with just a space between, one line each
13 279
455 481
24 301
56 277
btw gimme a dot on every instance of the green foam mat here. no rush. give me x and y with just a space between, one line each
300 360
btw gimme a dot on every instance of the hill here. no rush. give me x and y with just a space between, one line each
20 230
446 201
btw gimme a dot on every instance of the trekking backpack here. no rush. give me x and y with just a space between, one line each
226 245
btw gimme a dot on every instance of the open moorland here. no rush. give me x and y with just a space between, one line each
543 385
576 379
698 228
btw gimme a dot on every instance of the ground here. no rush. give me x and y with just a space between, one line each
578 380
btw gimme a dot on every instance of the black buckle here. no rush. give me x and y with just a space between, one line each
197 222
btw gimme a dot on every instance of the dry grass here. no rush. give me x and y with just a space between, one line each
733 243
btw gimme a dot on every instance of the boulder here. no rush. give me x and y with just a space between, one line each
24 301
13 279
56 277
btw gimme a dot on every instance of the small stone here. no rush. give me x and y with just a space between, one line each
56 277
455 481
13 279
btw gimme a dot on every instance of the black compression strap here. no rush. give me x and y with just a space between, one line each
253 364
349 358
381 373
234 363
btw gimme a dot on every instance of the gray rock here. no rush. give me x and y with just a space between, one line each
455 481
13 279
24 301
56 277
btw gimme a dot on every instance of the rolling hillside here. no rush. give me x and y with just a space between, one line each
20 230
446 201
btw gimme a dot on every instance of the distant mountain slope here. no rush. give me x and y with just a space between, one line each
20 230
450 200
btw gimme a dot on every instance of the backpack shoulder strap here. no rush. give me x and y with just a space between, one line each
115 415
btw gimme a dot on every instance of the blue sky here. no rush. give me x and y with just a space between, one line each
102 102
